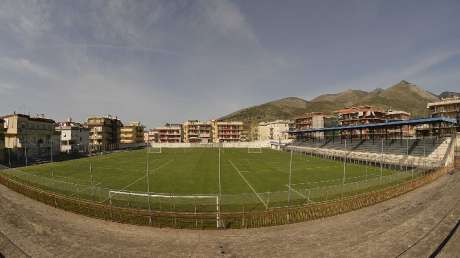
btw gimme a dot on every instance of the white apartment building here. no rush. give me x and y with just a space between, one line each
74 137
274 130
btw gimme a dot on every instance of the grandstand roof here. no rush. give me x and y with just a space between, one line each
431 120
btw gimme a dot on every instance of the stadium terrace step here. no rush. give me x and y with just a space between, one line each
413 147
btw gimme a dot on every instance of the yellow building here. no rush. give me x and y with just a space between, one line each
104 131
197 131
36 135
231 131
132 133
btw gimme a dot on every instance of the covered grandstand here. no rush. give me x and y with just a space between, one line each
436 126
386 143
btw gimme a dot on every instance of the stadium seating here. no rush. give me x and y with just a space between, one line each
393 151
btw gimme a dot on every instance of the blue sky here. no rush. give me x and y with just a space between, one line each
168 61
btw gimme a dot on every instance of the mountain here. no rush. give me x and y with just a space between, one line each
285 108
347 97
447 94
401 96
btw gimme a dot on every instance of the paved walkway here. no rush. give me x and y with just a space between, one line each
412 225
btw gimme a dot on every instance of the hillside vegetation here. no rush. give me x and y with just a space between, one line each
402 96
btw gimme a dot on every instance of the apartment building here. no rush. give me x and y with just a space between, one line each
170 133
447 107
132 133
359 115
74 137
231 131
197 131
104 131
151 136
2 141
274 130
397 115
309 120
32 136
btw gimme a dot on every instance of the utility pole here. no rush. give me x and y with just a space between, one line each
148 190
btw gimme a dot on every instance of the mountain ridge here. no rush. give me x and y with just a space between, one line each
401 96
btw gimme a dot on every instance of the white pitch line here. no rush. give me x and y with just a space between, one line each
297 192
137 180
250 186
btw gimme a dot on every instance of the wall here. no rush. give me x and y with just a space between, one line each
255 144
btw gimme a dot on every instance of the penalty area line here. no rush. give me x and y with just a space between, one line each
297 192
144 176
247 182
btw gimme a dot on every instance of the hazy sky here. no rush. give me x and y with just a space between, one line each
160 61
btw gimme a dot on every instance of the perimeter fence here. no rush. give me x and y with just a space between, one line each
301 202
229 211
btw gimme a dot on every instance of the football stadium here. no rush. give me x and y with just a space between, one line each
239 185
229 128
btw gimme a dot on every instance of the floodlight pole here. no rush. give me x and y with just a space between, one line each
344 168
148 190
220 193
290 178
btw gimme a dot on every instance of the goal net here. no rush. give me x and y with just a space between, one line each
156 150
167 202
254 150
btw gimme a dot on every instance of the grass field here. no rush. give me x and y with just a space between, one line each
257 180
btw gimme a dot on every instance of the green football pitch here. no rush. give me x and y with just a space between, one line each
238 177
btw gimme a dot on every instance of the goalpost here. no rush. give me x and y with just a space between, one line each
155 150
173 200
254 150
